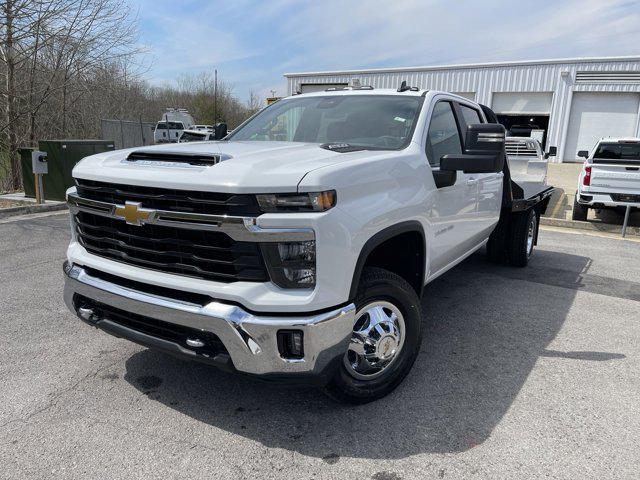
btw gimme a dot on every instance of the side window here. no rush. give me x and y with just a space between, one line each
443 136
471 115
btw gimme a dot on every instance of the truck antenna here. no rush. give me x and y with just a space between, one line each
403 86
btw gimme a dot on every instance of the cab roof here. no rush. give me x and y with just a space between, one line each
376 91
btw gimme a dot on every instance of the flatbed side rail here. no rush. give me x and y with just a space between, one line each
522 204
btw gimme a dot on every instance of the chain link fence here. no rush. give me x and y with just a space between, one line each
127 133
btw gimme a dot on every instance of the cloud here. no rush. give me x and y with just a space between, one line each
253 43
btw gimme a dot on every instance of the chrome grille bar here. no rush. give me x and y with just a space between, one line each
243 229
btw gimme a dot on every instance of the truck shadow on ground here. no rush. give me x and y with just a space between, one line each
485 327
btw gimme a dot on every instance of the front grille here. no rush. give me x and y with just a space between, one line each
196 253
156 328
211 203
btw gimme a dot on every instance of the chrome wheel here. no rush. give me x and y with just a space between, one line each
531 235
376 341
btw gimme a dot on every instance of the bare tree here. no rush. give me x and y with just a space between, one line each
66 64
49 48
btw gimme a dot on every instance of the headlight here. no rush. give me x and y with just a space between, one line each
297 202
291 264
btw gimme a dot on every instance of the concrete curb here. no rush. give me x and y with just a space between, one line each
589 226
27 209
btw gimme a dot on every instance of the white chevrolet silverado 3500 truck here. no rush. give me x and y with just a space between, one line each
610 177
297 248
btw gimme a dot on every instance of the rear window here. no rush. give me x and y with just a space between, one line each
618 151
192 137
172 125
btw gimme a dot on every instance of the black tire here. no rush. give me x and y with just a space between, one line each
518 247
579 211
377 284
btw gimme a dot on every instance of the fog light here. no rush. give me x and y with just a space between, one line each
290 344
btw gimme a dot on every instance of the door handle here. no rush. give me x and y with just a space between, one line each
471 181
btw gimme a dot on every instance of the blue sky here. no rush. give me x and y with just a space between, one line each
252 43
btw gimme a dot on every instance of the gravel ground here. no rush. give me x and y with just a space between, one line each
523 373
11 203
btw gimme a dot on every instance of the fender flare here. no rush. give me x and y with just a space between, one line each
381 237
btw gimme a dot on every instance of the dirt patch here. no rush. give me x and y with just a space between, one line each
12 203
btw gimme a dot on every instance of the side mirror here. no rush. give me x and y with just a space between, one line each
484 151
583 153
553 151
220 131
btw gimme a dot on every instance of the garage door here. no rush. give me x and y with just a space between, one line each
522 102
597 115
319 87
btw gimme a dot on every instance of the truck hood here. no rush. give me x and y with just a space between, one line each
246 167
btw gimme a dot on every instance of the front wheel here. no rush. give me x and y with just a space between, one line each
385 340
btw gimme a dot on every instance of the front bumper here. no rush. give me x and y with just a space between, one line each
250 340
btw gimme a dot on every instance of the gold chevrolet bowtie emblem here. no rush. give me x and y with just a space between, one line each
134 214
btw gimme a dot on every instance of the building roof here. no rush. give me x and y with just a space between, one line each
631 58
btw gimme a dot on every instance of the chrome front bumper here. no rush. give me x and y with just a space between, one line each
250 339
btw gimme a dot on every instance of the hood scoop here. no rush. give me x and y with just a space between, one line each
151 157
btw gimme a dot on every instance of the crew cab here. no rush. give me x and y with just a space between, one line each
297 248
610 176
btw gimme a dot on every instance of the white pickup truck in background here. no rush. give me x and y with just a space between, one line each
610 176
298 247
174 121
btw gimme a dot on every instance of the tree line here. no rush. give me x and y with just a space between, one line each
66 64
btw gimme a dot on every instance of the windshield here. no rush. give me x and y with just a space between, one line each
368 121
618 151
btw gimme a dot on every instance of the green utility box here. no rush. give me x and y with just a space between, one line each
28 183
62 156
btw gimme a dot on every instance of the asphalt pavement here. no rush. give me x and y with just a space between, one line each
523 373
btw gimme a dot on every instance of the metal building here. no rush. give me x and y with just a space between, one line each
573 102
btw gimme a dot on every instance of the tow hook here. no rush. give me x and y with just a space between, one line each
88 315
195 342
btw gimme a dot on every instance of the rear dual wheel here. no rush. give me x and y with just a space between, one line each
524 233
514 238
